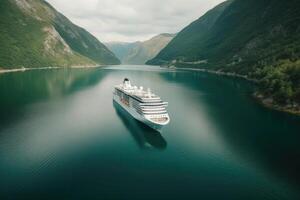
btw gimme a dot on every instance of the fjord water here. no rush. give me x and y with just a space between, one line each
62 137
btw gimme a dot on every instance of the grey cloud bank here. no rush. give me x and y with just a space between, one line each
132 20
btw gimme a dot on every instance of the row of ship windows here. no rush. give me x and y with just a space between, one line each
135 104
152 113
137 99
154 105
140 111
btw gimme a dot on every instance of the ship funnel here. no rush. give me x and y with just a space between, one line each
126 82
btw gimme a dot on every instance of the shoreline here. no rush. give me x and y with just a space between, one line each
4 71
267 102
229 74
261 99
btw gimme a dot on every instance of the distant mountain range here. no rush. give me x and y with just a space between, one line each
139 52
34 34
256 38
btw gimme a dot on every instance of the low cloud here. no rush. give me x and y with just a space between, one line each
132 20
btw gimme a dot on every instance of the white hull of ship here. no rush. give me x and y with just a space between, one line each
137 116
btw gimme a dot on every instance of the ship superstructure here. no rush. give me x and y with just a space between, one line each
144 106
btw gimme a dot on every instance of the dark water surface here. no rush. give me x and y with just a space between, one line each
61 137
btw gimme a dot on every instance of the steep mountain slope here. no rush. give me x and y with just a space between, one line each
139 52
122 49
187 41
257 38
33 34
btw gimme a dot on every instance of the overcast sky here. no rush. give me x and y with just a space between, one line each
132 20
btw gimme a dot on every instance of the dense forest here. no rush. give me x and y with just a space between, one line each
256 38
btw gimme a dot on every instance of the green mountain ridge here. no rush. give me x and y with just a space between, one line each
138 53
257 38
34 34
187 41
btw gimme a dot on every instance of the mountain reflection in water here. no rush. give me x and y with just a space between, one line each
144 136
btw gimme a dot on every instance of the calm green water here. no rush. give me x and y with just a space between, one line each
61 137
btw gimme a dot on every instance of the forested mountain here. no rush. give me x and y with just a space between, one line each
257 38
34 34
186 45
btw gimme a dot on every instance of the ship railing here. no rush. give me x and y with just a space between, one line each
154 104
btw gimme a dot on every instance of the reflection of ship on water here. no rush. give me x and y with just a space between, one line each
143 135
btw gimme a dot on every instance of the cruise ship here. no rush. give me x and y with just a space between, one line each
143 105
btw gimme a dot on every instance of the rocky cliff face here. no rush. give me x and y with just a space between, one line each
34 34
